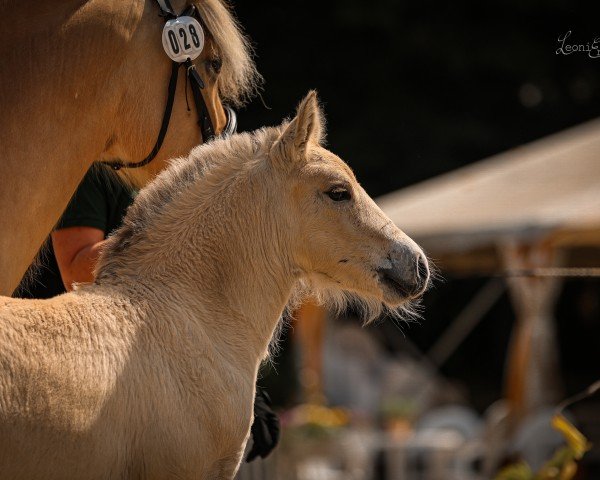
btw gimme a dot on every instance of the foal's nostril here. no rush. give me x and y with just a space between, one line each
422 277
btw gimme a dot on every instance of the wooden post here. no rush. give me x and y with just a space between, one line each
310 328
532 373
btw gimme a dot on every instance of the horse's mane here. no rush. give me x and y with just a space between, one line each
239 78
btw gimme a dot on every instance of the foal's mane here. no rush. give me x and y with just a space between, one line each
207 167
239 78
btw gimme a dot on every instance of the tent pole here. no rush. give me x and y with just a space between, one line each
310 327
532 377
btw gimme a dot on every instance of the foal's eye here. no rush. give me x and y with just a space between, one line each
339 194
216 64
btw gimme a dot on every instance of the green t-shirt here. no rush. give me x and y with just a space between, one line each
100 201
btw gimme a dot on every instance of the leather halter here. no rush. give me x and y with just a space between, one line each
196 84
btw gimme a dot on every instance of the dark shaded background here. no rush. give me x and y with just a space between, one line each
415 89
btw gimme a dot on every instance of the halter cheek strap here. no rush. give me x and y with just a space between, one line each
166 8
196 85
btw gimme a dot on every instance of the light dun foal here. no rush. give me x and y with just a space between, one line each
150 371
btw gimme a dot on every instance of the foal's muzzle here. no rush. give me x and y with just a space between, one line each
407 272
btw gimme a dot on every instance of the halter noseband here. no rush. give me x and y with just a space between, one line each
196 84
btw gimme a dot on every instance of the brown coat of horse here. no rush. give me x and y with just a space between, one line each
86 80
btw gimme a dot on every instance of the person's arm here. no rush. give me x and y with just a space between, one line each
76 250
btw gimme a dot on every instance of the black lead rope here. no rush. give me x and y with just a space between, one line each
196 84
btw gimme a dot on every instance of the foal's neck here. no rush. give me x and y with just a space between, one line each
225 262
244 277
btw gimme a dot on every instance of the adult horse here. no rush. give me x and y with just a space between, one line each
150 371
86 80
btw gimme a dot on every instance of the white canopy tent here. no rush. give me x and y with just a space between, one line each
548 190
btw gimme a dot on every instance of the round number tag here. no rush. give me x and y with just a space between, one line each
183 38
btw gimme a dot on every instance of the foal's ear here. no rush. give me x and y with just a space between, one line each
308 126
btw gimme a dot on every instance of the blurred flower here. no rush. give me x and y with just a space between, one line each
576 441
317 415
